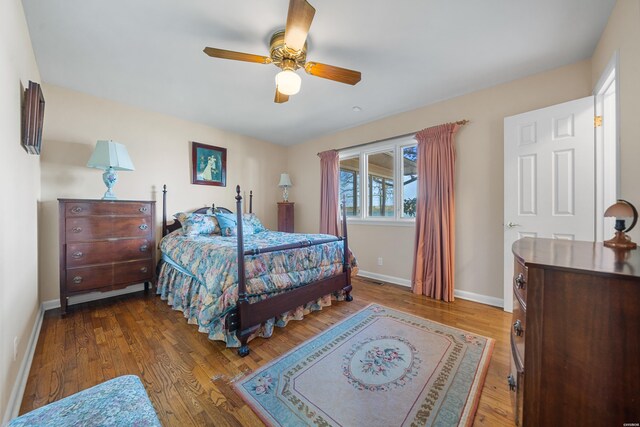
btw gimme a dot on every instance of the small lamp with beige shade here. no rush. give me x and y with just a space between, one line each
620 210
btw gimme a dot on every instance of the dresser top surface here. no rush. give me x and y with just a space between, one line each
577 255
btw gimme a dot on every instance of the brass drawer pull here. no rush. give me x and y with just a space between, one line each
77 255
511 382
517 327
143 227
144 269
520 282
144 248
143 209
76 209
76 229
77 280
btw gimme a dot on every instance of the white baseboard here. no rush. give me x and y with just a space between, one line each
483 299
470 296
385 278
17 392
55 303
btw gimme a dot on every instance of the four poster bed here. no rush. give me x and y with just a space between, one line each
238 287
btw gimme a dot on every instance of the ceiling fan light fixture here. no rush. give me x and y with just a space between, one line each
288 82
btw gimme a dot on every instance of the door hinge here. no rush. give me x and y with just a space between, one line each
597 121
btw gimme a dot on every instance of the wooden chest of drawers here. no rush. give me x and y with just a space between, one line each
105 245
285 217
575 337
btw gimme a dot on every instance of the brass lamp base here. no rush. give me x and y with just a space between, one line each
620 241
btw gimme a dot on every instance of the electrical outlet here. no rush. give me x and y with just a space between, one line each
379 260
15 348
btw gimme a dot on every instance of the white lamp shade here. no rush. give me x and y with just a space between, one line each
285 181
288 82
110 154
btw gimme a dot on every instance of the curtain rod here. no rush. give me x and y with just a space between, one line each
459 122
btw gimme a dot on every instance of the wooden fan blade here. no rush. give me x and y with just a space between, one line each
280 97
330 72
299 20
236 56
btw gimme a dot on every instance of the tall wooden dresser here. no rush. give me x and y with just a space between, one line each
575 340
285 217
105 245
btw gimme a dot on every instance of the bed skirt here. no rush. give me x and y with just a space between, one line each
185 293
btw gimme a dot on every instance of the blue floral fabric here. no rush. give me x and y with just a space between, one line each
251 218
199 275
195 224
121 401
229 225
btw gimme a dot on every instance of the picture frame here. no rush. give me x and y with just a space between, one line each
32 118
208 165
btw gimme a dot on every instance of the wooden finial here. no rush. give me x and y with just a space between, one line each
238 196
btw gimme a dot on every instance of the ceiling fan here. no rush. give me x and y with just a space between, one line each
288 51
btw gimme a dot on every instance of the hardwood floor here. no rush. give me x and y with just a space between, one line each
187 376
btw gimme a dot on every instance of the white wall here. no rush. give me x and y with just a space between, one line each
20 191
479 176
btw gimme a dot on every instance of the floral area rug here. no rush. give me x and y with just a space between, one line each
379 367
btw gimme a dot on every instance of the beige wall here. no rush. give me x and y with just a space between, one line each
20 190
622 34
159 148
479 175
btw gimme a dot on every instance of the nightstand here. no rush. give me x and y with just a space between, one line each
285 217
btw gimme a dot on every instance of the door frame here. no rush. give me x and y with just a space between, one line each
607 143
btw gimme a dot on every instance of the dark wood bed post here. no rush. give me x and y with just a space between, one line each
251 201
164 210
346 263
243 301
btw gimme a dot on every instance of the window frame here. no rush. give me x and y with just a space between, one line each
362 153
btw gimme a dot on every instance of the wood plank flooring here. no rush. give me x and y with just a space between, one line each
188 377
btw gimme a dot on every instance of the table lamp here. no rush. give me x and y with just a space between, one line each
285 183
620 210
110 156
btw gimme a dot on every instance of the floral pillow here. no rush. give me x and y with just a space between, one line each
229 225
252 219
196 224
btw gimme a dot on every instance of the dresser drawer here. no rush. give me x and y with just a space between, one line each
515 382
75 209
518 327
86 278
134 272
95 228
520 280
107 251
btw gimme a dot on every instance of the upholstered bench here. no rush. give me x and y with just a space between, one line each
121 401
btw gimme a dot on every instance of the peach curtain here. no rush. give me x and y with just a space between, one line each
434 256
329 175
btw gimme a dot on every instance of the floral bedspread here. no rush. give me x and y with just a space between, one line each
212 261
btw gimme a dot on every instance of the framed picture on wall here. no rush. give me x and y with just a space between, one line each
32 118
208 165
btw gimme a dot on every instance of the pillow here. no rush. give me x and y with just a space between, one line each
251 218
196 224
229 225
181 216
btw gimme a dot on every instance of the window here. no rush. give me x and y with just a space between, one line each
379 181
350 185
380 184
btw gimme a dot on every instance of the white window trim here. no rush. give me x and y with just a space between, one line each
396 145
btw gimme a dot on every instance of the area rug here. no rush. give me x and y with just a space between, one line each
379 367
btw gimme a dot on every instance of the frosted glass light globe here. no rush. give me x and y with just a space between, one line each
288 82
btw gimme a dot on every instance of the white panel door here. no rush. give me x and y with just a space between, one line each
549 178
